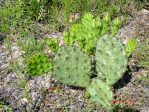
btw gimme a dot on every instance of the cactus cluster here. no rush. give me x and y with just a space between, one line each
111 63
100 93
111 59
72 66
38 64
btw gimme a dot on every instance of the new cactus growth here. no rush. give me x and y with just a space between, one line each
38 64
111 59
72 66
100 93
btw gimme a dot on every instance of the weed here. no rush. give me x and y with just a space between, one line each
38 64
31 45
5 108
142 54
131 46
53 44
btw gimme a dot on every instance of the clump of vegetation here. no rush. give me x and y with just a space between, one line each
5 108
115 26
38 64
10 16
31 45
53 44
142 53
131 46
88 31
23 14
72 65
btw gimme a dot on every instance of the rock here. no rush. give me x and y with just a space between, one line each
144 109
10 95
39 82
138 27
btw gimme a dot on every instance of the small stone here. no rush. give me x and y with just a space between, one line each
24 101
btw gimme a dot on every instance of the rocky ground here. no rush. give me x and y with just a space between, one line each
45 94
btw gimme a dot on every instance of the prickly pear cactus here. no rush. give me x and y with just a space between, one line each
72 66
100 93
111 59
38 64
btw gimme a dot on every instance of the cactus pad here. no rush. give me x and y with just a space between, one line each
100 93
38 64
111 59
72 66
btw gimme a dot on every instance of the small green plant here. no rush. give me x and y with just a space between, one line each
72 67
115 26
37 9
5 108
53 44
38 64
105 25
31 45
131 46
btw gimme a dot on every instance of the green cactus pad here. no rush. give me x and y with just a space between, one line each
111 59
38 64
100 93
72 66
